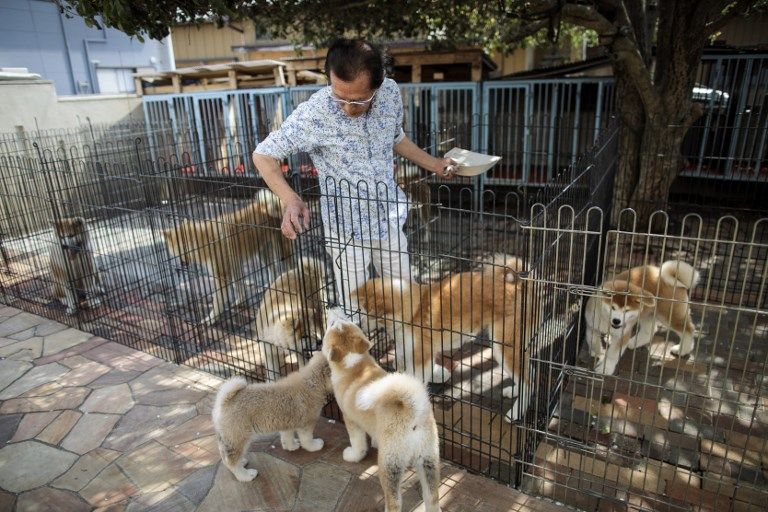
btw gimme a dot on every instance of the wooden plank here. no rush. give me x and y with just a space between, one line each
291 77
139 85
416 73
477 71
232 76
461 57
176 82
279 76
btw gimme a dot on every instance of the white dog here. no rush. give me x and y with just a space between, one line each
394 409
636 299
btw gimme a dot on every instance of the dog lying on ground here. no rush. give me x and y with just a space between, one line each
638 298
394 409
292 308
73 270
432 318
290 405
224 244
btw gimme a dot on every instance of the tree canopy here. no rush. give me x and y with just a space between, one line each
655 49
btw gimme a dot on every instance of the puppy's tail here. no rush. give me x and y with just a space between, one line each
226 393
679 274
504 267
396 395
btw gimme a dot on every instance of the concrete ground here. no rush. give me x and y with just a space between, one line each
88 424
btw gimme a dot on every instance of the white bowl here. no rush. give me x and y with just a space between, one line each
471 163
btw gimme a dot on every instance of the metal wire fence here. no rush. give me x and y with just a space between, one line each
195 270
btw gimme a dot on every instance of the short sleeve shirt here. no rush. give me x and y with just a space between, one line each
354 158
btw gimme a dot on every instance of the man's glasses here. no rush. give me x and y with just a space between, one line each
358 103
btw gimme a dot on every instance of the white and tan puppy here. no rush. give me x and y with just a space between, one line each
637 299
426 319
290 405
73 270
292 308
394 409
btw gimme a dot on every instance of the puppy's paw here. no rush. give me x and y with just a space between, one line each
680 351
605 367
508 392
290 445
314 445
246 475
351 455
440 374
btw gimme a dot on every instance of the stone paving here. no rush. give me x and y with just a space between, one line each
88 424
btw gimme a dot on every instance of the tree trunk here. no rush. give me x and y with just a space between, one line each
659 165
632 119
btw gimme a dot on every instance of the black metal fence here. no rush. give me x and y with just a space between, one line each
196 271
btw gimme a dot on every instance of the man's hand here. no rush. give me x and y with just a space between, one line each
295 211
445 167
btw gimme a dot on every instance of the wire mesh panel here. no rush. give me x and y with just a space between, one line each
651 424
539 127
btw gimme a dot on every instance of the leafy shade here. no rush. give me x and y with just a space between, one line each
496 26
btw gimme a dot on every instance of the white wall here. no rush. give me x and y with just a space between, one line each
34 103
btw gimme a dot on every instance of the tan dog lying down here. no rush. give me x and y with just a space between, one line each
292 404
640 297
394 409
430 318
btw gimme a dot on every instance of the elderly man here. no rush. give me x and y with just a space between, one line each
351 130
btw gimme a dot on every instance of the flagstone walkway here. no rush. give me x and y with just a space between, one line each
88 424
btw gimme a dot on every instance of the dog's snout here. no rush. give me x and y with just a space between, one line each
615 322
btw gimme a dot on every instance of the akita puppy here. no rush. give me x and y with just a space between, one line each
636 299
393 408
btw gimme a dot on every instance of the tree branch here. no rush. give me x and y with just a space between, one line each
528 30
736 10
587 17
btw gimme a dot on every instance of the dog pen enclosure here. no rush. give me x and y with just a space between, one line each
662 433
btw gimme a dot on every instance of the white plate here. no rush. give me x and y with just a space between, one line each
471 163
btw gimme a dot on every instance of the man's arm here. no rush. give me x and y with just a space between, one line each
443 167
294 208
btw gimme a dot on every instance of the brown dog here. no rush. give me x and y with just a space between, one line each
224 244
394 409
432 318
73 270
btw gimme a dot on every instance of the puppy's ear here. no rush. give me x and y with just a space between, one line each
335 355
361 345
641 296
648 300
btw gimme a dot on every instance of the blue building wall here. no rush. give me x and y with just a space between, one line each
77 58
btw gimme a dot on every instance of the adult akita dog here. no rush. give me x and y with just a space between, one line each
224 244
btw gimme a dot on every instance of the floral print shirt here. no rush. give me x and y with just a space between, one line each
354 158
